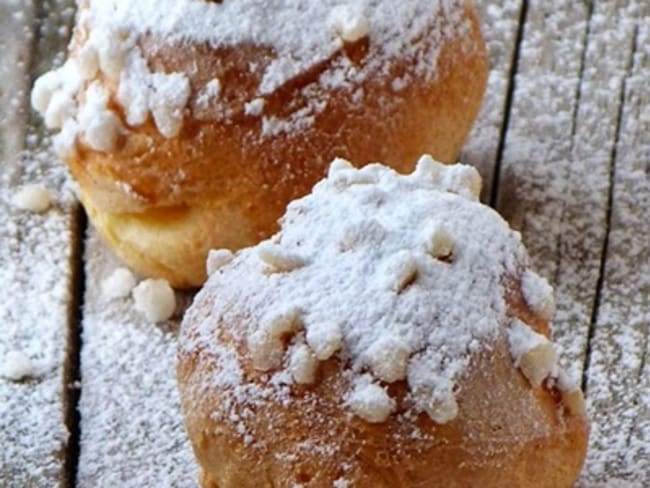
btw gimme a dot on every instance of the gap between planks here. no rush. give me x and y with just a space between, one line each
514 66
608 216
50 17
72 373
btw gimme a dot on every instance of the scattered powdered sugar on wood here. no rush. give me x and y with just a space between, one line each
131 427
36 276
539 177
499 22
35 273
554 184
618 380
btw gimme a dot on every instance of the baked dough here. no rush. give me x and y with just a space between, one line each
190 124
392 334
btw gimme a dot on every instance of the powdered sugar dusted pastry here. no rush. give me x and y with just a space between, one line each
190 124
393 346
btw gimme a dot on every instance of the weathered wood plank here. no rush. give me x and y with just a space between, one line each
556 167
583 221
131 426
618 383
535 188
16 32
35 270
500 25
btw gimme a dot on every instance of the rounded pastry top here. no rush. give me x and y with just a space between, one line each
401 278
299 34
128 62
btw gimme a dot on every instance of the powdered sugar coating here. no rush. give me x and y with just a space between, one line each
370 401
131 428
394 310
538 294
410 31
392 28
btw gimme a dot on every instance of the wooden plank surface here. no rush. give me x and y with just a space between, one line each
618 383
500 24
36 253
535 184
131 426
566 142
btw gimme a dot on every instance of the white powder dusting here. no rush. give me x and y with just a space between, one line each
533 353
115 341
392 309
394 30
618 380
132 432
35 257
35 276
538 294
555 176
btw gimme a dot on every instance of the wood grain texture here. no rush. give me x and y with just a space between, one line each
618 383
500 25
35 267
537 182
132 432
16 33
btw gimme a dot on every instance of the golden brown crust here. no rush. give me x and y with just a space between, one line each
235 183
506 433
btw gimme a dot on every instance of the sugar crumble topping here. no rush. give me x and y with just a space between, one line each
119 284
129 402
155 299
217 259
532 352
16 366
394 32
33 197
538 294
390 296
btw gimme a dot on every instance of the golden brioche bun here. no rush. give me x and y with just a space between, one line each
504 434
506 431
164 202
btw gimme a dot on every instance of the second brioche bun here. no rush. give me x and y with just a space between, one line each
226 177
